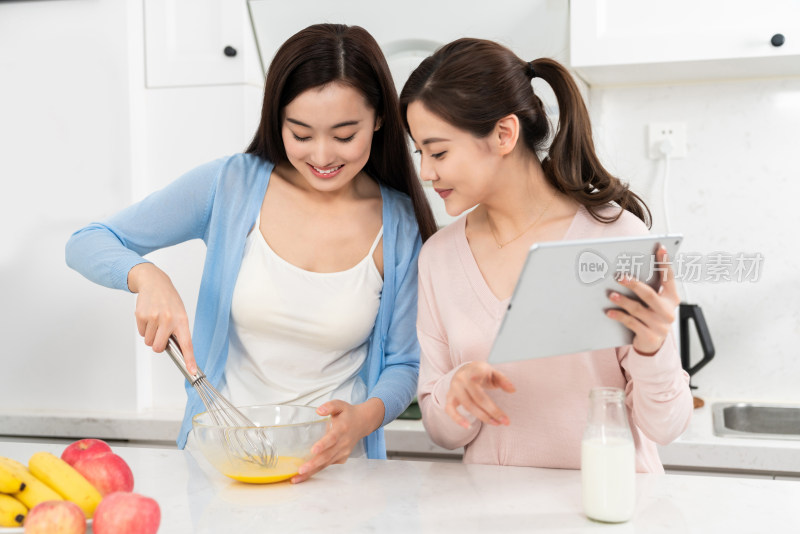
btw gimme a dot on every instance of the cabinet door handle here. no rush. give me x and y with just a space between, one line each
231 51
777 40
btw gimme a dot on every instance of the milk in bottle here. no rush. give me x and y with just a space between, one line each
608 459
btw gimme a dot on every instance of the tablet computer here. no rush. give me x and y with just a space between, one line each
559 304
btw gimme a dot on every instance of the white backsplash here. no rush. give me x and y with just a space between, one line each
735 192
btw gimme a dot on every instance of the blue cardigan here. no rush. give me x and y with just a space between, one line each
218 202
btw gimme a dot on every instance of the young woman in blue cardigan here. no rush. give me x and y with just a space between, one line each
309 287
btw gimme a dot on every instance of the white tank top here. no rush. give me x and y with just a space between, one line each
299 337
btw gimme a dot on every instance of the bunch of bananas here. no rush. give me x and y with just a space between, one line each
46 478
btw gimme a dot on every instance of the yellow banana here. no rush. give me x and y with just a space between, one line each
35 490
9 482
67 482
12 512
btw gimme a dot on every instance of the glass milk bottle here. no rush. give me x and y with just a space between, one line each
608 459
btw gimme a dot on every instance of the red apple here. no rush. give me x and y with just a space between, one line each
55 517
107 472
126 513
84 448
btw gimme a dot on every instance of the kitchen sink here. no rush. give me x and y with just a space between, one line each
751 420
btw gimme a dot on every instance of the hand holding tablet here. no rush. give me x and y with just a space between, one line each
649 317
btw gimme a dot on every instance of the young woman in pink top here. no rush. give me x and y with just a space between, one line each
483 136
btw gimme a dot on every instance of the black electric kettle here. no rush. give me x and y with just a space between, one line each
694 313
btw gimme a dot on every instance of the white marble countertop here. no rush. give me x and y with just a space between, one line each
438 497
697 449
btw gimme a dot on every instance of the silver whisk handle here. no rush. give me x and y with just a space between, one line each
175 353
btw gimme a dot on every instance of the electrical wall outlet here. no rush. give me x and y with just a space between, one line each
666 136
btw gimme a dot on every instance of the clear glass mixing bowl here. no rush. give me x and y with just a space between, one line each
293 430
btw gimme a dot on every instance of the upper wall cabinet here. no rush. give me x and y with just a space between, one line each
616 42
197 42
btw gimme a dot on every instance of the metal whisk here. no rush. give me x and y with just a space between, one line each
251 443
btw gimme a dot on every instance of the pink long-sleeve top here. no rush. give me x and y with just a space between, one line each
457 322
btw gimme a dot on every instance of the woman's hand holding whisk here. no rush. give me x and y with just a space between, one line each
160 311
349 423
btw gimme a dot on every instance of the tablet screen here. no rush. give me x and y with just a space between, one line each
558 306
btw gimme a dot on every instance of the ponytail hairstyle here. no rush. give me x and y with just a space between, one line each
473 83
327 53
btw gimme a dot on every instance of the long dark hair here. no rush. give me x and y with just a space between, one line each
473 83
325 53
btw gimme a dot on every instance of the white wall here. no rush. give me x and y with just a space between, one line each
736 191
64 158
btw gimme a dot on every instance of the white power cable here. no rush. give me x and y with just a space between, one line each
666 148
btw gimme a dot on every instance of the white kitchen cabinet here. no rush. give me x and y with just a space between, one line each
615 42
198 42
